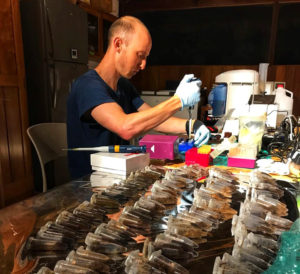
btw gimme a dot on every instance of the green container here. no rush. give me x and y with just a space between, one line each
221 160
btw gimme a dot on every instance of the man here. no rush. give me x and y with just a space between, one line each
104 107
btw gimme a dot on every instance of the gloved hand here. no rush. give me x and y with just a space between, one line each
201 133
188 91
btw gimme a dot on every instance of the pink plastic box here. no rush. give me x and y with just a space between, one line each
159 146
241 162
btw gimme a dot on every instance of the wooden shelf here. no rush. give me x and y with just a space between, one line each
101 22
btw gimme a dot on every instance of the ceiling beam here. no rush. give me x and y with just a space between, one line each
131 6
272 43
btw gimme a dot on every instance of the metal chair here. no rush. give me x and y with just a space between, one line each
49 141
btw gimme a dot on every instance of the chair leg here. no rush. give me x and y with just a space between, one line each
44 179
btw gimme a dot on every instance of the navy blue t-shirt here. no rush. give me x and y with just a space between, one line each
89 91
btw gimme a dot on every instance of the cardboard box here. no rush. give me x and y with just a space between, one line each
119 163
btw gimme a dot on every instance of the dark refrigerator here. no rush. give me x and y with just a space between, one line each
55 38
55 41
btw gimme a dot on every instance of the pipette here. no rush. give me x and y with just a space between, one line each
191 108
190 121
113 148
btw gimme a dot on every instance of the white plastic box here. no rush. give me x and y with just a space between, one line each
119 163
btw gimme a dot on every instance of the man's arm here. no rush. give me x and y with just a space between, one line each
127 126
112 117
173 124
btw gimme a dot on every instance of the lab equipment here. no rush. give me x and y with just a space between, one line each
238 90
190 110
252 129
114 148
263 72
217 99
190 122
240 85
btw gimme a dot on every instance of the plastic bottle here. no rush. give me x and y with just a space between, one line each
217 99
284 99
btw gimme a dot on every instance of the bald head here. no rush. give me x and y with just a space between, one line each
125 27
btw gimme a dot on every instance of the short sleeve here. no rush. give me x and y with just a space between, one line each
91 93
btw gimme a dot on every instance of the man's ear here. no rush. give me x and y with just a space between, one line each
118 42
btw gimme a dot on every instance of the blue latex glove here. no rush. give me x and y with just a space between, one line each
188 91
201 133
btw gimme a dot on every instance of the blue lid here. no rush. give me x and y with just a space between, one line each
185 145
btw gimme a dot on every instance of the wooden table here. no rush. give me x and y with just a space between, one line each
23 219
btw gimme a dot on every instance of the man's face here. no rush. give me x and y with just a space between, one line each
134 53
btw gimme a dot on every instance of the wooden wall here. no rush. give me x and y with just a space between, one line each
281 45
155 77
15 157
129 6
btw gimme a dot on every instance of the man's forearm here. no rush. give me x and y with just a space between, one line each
173 125
157 117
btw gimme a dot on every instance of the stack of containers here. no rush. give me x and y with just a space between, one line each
190 228
81 240
256 229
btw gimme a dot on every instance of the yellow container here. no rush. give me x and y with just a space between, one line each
204 149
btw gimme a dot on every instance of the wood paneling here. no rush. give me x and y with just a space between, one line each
155 77
7 49
15 161
130 6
